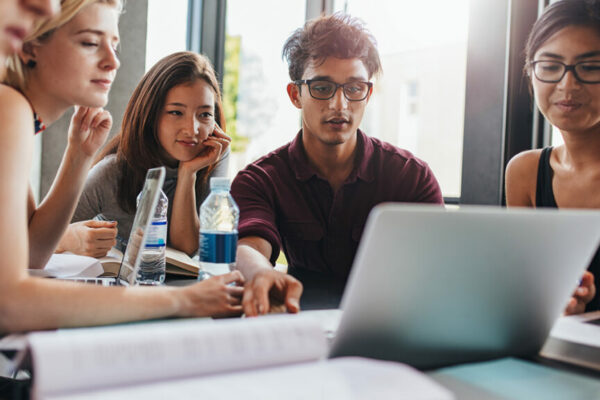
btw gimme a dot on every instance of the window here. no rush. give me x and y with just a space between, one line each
418 101
167 29
259 114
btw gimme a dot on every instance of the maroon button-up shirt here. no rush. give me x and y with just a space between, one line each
283 200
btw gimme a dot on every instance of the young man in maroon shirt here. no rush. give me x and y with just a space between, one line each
312 197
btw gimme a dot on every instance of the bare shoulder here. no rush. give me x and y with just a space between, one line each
12 98
521 178
15 112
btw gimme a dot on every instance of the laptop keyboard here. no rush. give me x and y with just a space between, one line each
94 281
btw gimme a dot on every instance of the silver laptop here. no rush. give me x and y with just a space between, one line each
431 287
132 256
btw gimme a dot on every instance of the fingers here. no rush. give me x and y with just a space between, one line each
219 133
92 223
292 297
586 290
100 230
261 298
571 306
101 118
248 303
87 118
236 292
232 277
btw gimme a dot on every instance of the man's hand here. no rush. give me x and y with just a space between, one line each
89 238
583 295
269 290
214 297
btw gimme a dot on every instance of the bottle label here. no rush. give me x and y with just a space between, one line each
156 235
218 247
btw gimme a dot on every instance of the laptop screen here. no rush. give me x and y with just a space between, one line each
143 217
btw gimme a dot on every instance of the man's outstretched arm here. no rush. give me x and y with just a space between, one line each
265 288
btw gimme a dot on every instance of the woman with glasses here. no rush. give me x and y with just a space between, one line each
563 65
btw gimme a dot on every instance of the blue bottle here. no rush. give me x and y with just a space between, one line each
219 217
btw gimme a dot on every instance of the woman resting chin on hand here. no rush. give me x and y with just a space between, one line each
174 119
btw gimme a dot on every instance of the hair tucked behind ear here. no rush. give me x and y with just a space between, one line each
137 145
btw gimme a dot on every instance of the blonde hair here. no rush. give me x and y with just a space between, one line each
17 71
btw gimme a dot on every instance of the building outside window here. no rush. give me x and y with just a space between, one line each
418 102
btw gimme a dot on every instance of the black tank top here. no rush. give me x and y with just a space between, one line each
544 197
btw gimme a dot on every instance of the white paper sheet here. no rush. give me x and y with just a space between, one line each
338 379
70 265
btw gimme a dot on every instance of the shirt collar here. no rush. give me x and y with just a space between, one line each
304 171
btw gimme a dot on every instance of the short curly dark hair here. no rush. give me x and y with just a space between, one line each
338 35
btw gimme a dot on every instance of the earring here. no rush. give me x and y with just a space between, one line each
31 64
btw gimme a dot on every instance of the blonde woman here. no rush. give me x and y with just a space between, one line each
68 61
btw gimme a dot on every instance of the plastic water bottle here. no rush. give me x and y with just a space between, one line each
152 267
219 217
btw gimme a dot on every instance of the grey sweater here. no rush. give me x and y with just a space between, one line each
99 197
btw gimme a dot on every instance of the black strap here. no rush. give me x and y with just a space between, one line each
544 196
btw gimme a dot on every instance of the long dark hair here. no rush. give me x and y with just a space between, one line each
137 146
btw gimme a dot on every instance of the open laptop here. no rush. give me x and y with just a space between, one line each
431 287
132 256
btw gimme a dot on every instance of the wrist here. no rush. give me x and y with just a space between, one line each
77 157
186 178
179 302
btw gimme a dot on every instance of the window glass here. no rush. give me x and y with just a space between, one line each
418 101
167 29
259 115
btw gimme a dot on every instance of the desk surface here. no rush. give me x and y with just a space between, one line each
511 378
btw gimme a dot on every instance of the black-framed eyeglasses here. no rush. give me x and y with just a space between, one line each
554 71
324 90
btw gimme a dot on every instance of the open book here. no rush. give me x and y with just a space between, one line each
178 263
273 357
575 339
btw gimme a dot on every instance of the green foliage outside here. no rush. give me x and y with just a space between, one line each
231 80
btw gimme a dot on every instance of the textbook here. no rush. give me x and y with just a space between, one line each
178 263
575 339
271 357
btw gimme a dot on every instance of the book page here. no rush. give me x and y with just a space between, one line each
111 262
94 358
181 260
68 265
338 379
577 329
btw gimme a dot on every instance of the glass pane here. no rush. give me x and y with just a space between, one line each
167 29
259 114
418 102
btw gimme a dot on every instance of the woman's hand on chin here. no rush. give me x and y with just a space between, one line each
215 147
89 129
